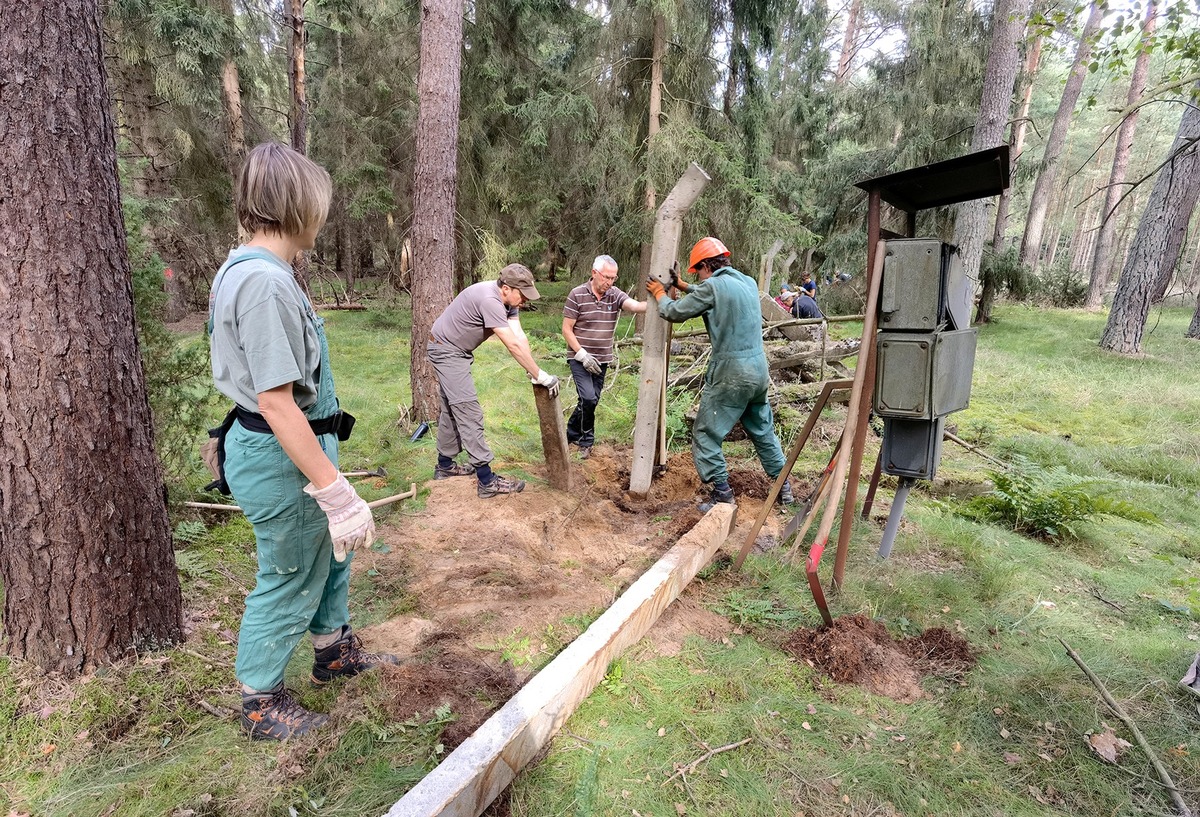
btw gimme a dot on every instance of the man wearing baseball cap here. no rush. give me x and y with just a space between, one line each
479 312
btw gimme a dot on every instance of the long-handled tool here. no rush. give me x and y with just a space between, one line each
848 435
818 488
829 388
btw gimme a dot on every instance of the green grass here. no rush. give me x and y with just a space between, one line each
1007 739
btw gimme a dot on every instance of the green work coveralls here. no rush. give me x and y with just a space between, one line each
300 586
735 385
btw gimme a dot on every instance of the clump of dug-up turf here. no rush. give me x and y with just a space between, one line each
857 650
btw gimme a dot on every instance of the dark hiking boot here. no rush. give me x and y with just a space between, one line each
453 470
501 485
275 715
345 657
719 494
786 497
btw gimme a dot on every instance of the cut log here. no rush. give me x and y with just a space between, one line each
554 438
467 781
667 227
835 351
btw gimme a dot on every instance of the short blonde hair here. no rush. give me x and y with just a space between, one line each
281 191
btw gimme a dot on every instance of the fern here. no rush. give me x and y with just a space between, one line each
1049 503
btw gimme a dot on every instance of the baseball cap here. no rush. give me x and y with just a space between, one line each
785 287
519 277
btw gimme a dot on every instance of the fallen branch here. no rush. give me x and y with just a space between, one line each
1120 712
691 767
974 449
215 711
206 659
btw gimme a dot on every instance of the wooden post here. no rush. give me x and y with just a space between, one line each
768 266
554 438
467 781
667 227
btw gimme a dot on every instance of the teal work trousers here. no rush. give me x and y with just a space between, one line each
300 586
721 407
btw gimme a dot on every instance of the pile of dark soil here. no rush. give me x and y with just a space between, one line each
858 650
471 688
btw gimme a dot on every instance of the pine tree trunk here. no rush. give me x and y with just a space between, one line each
231 96
1193 330
435 181
85 545
298 111
846 60
1016 142
1101 262
1151 259
1008 21
1047 177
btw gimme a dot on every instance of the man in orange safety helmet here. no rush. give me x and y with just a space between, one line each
735 385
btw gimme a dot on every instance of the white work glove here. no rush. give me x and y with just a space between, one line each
350 520
549 381
588 361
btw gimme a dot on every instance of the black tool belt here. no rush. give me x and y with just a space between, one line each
340 423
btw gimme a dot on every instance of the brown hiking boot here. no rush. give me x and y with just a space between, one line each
501 485
454 470
275 715
346 657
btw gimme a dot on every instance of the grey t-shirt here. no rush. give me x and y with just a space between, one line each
263 332
470 318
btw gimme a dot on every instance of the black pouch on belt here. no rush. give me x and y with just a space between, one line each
212 451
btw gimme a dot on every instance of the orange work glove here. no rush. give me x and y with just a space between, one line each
655 289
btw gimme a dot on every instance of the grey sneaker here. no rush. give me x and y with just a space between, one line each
275 715
454 470
717 495
786 497
585 451
501 485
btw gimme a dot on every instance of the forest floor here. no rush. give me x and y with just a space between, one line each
942 687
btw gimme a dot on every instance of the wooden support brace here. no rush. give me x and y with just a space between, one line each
554 438
667 228
467 781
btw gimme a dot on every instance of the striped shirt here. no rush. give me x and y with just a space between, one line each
595 320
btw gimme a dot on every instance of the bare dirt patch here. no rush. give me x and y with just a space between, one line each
857 650
505 583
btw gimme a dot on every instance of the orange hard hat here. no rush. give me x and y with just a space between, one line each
705 248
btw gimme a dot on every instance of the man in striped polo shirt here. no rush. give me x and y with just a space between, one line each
589 323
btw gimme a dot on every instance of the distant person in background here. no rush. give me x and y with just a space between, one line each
805 305
785 296
589 324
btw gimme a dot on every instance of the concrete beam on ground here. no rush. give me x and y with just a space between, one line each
471 776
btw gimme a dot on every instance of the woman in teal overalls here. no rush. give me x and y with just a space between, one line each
270 357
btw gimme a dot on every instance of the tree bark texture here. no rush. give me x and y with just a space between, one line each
1016 141
1101 263
1159 237
846 60
1008 23
1193 330
298 111
435 181
1039 201
85 545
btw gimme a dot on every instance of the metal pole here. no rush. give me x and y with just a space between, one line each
893 522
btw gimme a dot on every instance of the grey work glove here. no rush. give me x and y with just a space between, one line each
588 361
547 381
676 281
350 522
